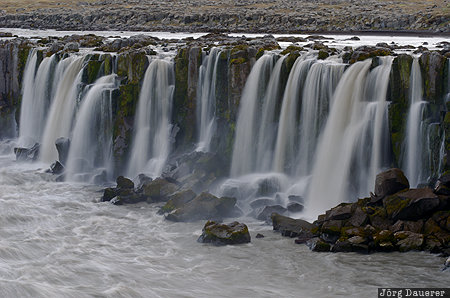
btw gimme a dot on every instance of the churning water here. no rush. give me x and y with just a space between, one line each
56 240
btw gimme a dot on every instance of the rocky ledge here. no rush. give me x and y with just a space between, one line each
220 15
394 218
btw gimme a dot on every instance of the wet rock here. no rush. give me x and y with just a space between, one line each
296 199
295 207
390 182
108 194
224 234
72 47
177 200
27 154
159 189
318 245
56 168
342 245
268 187
290 227
124 183
407 241
142 179
62 146
204 206
412 204
259 236
340 212
262 202
266 213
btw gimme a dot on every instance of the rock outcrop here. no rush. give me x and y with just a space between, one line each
223 234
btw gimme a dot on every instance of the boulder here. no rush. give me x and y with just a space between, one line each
108 194
124 183
177 200
266 213
159 189
340 212
407 241
389 182
261 202
27 154
204 206
295 207
413 204
223 234
290 227
56 168
318 245
62 146
142 179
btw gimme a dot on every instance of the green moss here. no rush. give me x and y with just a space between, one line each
394 203
91 71
240 47
291 49
323 55
240 60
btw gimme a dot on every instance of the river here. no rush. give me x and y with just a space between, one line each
57 240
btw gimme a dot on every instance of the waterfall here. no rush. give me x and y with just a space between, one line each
62 109
416 130
151 140
268 127
26 131
206 99
351 146
318 89
244 150
91 147
285 148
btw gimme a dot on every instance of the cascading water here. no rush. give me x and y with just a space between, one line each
151 140
285 147
206 99
91 149
268 126
60 117
353 140
244 157
318 89
29 131
414 162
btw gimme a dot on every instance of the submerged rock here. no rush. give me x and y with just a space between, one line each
159 189
266 213
56 168
204 206
124 183
62 146
223 234
27 154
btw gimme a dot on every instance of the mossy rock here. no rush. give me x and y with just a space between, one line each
225 234
292 49
393 204
383 236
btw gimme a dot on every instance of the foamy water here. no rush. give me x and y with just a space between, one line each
56 240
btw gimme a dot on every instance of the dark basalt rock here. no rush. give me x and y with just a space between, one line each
290 227
223 234
295 207
62 146
401 219
204 206
124 183
266 213
56 168
390 182
177 200
159 190
27 154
